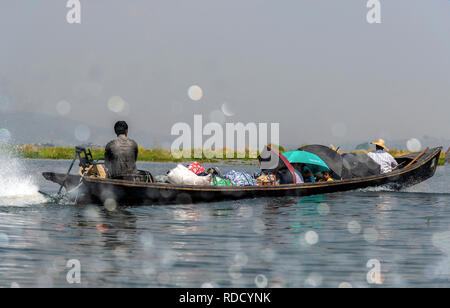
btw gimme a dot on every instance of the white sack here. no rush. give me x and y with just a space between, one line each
183 176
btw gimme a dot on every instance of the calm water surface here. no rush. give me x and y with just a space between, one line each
320 241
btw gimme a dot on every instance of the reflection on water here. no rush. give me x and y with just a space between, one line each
326 240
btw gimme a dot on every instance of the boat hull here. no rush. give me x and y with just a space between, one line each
98 191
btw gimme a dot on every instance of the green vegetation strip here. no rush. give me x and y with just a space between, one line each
149 155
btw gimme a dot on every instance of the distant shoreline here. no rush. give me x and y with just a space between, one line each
145 155
152 155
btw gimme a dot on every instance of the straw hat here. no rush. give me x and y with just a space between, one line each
380 142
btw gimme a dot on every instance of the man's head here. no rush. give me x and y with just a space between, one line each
121 128
380 145
326 175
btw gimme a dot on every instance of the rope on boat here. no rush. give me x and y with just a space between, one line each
78 186
75 188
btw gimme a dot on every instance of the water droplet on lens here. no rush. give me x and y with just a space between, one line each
92 212
82 133
323 209
314 280
371 235
240 259
146 240
345 285
227 110
311 237
441 240
195 93
414 145
354 227
168 258
110 205
207 285
235 272
258 226
116 104
261 281
63 107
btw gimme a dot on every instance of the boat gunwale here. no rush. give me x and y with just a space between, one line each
417 165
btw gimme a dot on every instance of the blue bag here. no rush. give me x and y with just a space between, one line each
240 178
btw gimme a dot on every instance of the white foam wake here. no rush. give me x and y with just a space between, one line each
17 188
376 189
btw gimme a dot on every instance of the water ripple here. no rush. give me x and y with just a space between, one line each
334 240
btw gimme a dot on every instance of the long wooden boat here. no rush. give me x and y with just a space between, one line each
97 191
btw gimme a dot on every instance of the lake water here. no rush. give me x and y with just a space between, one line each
395 239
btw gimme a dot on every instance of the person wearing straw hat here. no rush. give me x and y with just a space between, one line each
383 158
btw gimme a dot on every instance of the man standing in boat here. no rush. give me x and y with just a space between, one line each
383 158
121 154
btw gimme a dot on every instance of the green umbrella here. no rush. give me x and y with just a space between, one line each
310 159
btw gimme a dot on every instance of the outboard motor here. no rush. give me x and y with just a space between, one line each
86 161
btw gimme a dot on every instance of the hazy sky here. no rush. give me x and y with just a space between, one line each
316 67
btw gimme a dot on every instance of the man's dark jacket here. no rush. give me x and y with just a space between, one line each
120 157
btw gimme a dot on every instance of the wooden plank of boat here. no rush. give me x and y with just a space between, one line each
417 157
97 191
